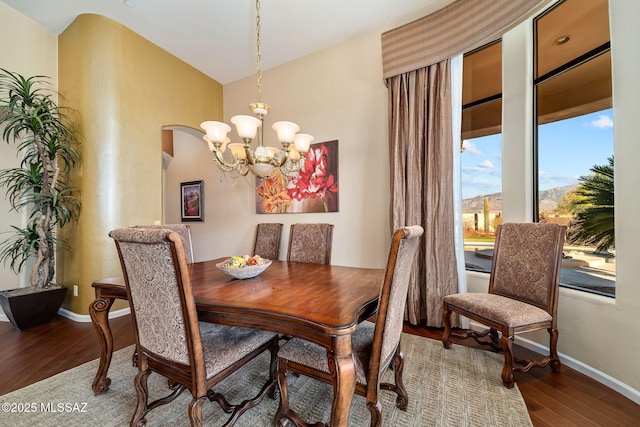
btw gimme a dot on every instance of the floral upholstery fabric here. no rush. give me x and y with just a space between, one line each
523 277
224 345
183 230
524 261
310 243
397 279
503 310
152 278
314 356
407 249
267 243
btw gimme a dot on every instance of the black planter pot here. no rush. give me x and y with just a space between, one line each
27 309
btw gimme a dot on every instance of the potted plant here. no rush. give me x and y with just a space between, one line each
38 187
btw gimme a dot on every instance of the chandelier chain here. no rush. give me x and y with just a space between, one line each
259 51
262 161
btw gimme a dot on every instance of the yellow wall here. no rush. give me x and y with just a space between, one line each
124 89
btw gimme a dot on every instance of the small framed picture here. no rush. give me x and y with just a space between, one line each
192 194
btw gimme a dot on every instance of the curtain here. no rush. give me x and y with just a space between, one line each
421 162
445 33
456 142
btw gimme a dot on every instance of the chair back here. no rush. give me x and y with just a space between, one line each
310 243
267 243
527 258
183 230
393 296
162 306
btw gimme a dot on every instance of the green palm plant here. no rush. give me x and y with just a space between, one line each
39 187
593 206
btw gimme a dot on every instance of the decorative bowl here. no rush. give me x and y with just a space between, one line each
246 272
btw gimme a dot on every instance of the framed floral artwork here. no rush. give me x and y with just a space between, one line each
313 189
192 194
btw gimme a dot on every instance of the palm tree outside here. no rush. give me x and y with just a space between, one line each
593 207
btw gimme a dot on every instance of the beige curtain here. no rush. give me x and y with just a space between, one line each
450 31
421 182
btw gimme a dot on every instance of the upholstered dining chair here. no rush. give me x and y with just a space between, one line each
169 339
310 243
522 297
267 242
184 231
376 347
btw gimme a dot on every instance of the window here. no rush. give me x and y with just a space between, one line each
481 153
574 143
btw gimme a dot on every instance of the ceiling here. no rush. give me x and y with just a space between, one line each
218 36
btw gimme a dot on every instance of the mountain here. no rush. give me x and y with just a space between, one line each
548 200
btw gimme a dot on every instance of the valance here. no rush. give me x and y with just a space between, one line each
450 31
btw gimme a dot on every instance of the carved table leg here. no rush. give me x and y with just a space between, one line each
342 366
99 311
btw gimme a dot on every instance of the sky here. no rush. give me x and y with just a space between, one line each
568 149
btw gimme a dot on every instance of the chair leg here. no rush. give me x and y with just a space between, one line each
553 346
507 369
195 411
446 318
283 408
402 399
273 366
140 384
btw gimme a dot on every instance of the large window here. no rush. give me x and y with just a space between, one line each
481 158
574 144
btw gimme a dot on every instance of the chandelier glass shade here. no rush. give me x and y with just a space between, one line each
263 161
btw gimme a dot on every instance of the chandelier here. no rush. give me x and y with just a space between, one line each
264 161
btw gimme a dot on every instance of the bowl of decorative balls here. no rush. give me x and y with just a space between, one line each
244 267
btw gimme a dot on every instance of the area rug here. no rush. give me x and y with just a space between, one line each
456 387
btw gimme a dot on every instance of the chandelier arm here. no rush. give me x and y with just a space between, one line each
223 164
279 159
251 157
243 168
292 166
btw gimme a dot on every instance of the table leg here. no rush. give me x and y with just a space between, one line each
99 312
342 364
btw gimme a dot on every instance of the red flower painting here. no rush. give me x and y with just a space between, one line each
314 180
313 189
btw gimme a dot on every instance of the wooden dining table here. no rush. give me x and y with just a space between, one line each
320 303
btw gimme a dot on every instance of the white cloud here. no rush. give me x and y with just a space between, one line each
602 122
486 165
470 147
484 169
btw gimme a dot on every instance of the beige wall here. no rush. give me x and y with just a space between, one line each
125 90
337 93
36 53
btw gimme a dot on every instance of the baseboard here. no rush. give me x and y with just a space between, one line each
585 369
86 318
595 374
80 317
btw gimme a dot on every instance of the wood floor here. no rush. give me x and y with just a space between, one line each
564 399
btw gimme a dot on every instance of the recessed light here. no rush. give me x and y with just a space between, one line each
561 40
129 3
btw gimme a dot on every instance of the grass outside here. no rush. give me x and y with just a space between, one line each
477 236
